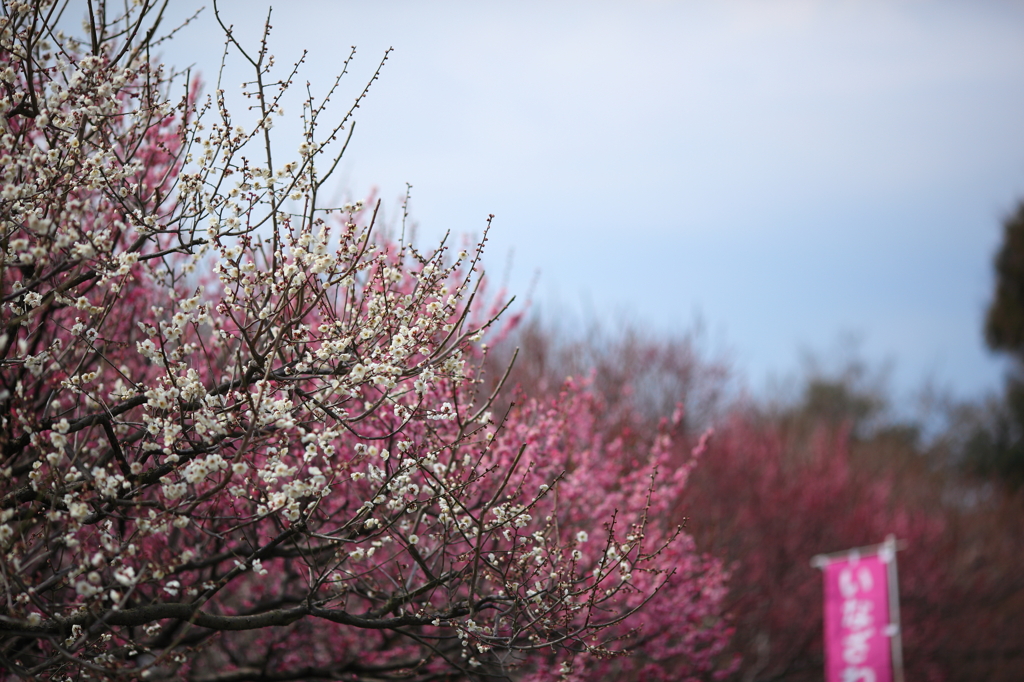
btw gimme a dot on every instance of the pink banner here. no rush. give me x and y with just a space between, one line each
857 647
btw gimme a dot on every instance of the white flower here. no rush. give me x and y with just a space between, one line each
357 373
86 589
78 510
171 490
125 575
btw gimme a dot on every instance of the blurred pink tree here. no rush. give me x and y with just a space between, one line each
773 490
767 499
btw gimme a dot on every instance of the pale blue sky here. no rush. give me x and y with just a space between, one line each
787 171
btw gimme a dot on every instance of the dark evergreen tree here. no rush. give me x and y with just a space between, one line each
997 447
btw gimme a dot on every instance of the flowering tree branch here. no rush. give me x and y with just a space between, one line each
243 431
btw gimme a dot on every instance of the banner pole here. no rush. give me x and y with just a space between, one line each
822 560
896 639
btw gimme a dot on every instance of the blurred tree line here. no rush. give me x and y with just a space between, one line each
823 468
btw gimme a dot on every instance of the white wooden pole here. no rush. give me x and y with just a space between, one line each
896 636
